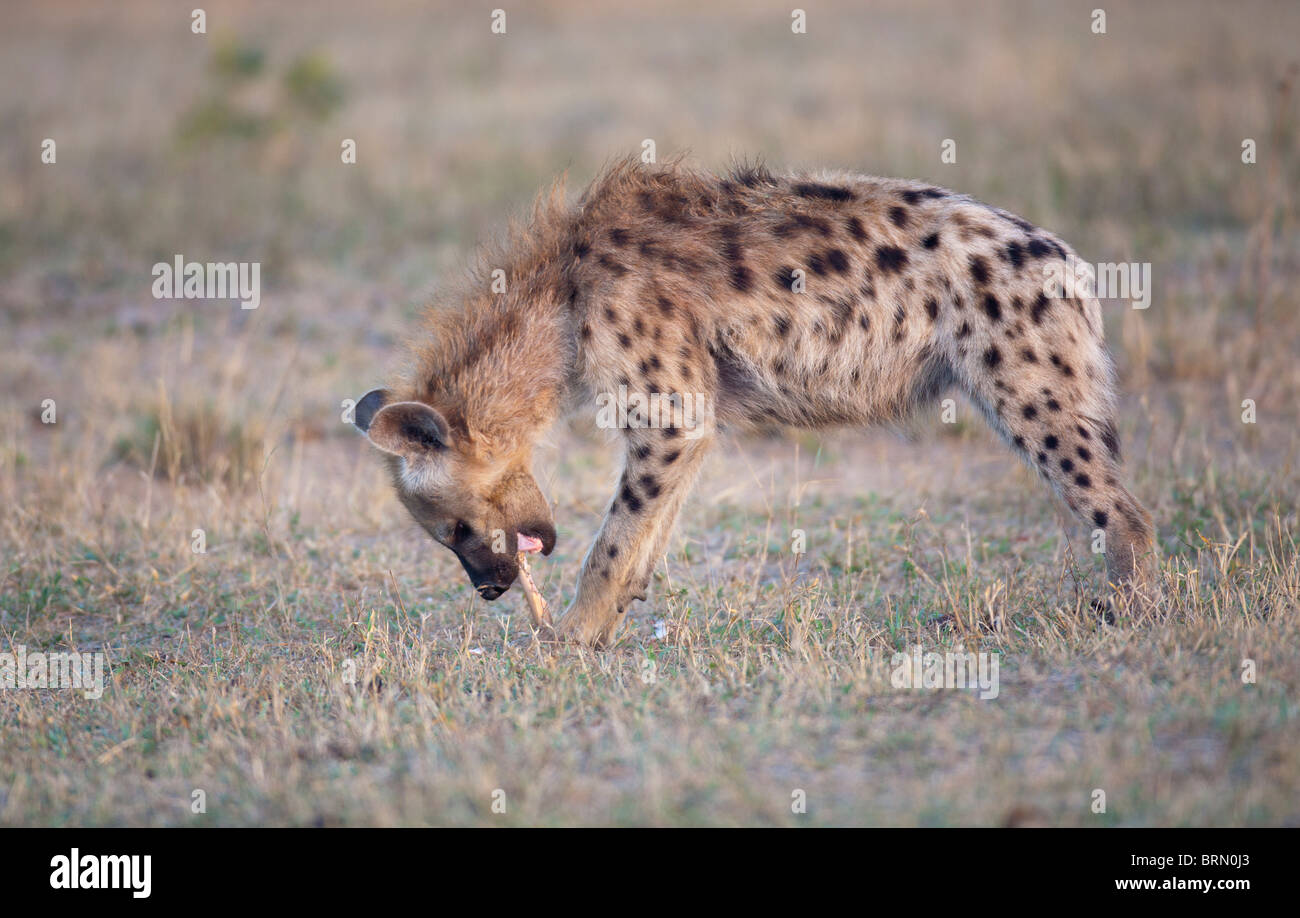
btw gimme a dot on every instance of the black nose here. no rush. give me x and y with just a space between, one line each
491 591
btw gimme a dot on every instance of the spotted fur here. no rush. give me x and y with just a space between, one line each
663 278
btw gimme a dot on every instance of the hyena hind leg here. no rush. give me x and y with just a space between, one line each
1079 456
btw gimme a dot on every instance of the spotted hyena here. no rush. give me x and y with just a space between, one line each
752 298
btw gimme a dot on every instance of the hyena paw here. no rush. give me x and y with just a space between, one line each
587 625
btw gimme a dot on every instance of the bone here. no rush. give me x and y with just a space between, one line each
536 604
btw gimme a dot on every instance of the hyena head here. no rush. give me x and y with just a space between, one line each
484 507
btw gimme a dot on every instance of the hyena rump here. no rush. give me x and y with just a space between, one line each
813 301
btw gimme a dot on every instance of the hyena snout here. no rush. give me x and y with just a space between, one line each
491 572
492 564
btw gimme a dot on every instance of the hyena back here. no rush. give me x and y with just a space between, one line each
811 301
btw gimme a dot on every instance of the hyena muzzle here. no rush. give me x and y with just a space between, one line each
702 302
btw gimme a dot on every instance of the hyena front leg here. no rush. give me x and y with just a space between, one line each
660 468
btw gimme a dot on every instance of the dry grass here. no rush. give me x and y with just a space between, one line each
770 673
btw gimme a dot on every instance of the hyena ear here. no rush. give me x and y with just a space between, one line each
408 429
365 410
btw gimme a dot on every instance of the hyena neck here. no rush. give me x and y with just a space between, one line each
497 364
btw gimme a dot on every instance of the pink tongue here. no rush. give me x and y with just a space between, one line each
528 543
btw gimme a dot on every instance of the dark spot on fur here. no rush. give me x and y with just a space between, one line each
932 308
992 357
992 307
630 498
818 224
931 241
1041 305
837 260
1038 248
624 341
1029 355
612 266
650 485
815 263
822 191
1051 442
671 457
619 236
1013 254
1053 405
1083 481
1061 365
856 229
782 324
1099 517
1084 454
898 216
1030 412
1067 465
890 259
979 269
742 278
964 330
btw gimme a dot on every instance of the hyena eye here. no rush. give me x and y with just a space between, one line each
460 531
